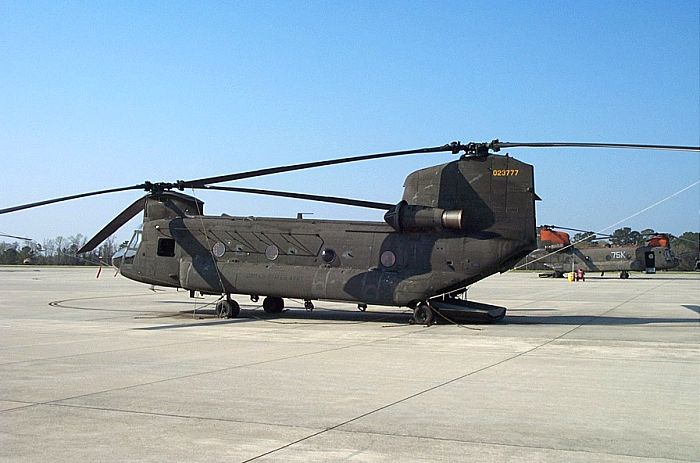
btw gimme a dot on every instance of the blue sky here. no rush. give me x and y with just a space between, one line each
96 95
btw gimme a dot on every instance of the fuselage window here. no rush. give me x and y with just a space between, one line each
166 247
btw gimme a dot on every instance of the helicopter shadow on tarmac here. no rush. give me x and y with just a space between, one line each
319 316
207 317
576 320
694 308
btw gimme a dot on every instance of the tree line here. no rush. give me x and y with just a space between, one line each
57 251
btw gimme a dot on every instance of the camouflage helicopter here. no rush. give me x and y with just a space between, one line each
558 253
457 223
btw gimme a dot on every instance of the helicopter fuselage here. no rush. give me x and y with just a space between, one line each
367 262
457 223
608 259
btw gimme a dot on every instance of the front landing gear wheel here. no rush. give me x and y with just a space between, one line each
423 314
309 306
624 275
273 304
227 308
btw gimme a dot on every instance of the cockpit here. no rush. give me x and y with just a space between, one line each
126 254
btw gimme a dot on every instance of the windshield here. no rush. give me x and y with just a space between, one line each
127 253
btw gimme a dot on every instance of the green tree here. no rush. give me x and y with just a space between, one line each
585 239
624 236
9 254
686 248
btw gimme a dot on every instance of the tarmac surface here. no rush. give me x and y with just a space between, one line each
105 369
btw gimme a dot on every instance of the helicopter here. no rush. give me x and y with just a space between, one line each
30 259
558 253
456 224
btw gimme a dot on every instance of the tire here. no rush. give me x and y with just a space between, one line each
423 314
221 308
227 309
234 309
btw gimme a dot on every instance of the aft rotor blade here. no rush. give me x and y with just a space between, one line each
576 230
498 145
68 198
454 147
116 223
308 197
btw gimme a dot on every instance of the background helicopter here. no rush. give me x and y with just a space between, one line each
557 252
457 223
31 254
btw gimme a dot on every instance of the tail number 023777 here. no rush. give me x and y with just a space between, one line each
505 172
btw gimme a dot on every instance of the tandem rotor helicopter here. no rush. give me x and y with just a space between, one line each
457 223
559 254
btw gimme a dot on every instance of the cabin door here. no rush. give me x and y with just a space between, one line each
650 262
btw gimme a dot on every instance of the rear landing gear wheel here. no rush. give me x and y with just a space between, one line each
624 275
227 308
423 314
362 307
309 306
273 304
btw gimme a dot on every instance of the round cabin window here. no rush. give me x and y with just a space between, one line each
272 252
219 249
328 255
388 259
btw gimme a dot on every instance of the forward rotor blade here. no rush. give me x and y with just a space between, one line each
470 149
68 198
323 199
498 145
16 237
116 223
454 147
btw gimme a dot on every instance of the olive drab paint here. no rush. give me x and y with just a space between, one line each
457 223
557 253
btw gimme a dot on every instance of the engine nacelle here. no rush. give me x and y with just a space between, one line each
406 217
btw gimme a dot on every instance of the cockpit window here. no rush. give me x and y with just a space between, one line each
125 255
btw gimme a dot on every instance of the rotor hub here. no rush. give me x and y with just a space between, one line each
159 187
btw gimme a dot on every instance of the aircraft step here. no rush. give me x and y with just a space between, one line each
462 311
